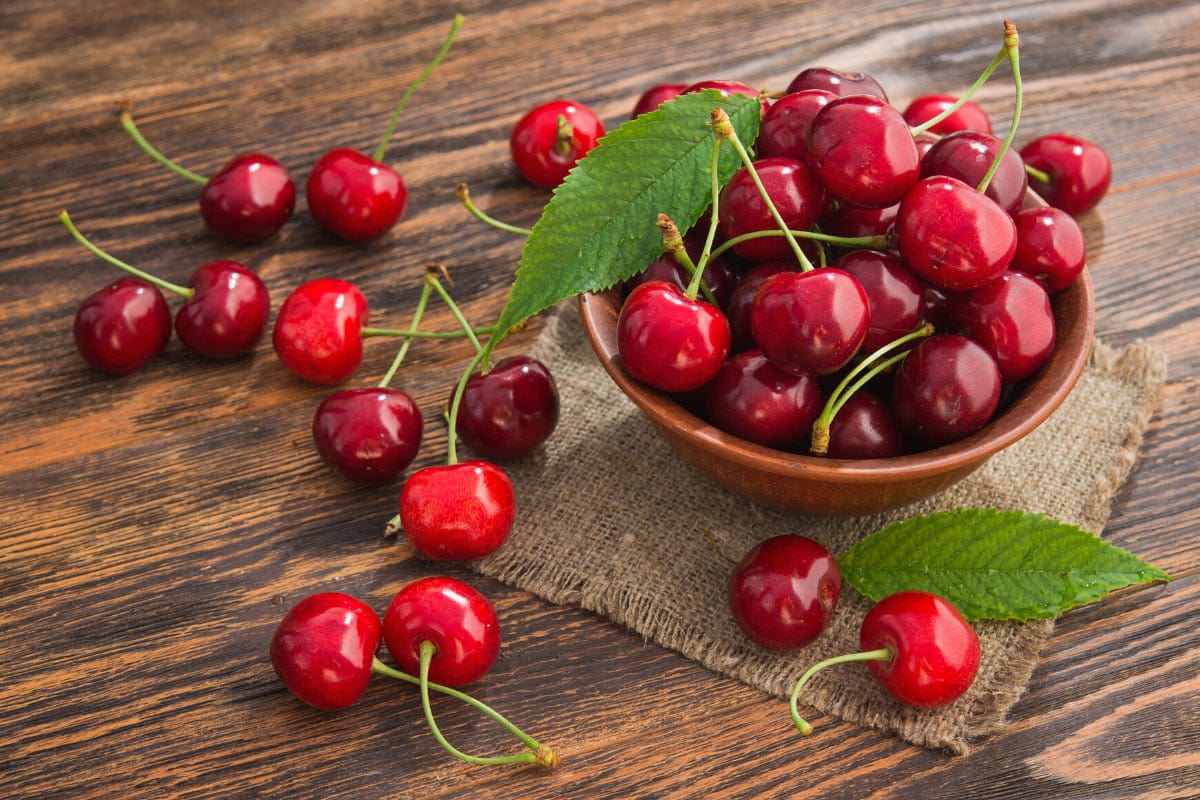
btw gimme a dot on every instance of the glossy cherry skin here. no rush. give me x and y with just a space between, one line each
968 117
853 221
368 435
793 188
783 592
318 330
1080 171
935 651
1013 319
355 196
947 388
249 199
741 301
968 155
456 618
785 126
810 321
668 341
864 427
655 96
539 150
953 236
324 647
895 295
1050 247
458 511
228 313
508 413
727 88
863 152
836 81
122 326
756 401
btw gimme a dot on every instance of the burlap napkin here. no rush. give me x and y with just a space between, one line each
610 519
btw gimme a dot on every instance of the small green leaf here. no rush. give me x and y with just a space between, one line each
993 564
600 226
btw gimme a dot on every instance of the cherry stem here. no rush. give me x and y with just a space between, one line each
182 291
1011 42
396 333
880 242
452 429
541 754
1037 174
882 654
855 379
566 132
152 151
673 244
426 290
724 129
412 87
917 130
713 215
464 196
432 279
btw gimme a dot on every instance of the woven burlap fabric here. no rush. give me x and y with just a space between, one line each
609 518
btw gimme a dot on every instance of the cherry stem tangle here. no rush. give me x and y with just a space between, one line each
882 654
412 87
182 291
1011 42
673 244
880 242
152 151
464 196
426 290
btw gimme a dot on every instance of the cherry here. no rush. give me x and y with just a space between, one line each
851 221
835 81
794 189
1072 173
947 388
457 511
122 326
1013 319
741 301
324 647
968 155
755 400
784 129
248 200
510 411
863 151
655 96
456 619
548 141
1050 247
783 592
719 275
669 340
864 427
968 117
953 236
810 321
727 88
318 330
895 295
368 435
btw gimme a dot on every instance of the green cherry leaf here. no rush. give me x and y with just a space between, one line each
1003 565
600 226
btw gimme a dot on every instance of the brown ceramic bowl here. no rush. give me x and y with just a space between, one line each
832 486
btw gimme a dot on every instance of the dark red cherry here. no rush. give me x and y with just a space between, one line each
934 650
509 412
895 295
793 188
953 236
655 96
947 388
864 427
227 314
863 152
318 330
1079 171
458 511
810 321
355 196
968 117
122 326
756 401
727 88
324 647
719 275
1013 319
368 435
1050 247
741 301
455 618
669 341
851 221
249 199
784 128
968 155
836 81
783 592
549 140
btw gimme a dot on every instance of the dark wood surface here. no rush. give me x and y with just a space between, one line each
156 527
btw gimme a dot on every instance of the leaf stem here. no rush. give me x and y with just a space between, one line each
182 291
1011 47
464 196
150 150
882 654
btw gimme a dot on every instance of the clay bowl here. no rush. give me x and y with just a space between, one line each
830 486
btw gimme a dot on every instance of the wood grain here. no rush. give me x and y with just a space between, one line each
157 526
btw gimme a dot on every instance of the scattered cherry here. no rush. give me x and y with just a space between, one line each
1078 171
783 592
458 620
508 412
457 511
122 326
968 117
318 330
368 435
548 141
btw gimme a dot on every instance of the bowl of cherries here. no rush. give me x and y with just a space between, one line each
924 307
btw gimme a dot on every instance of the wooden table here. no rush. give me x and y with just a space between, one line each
157 526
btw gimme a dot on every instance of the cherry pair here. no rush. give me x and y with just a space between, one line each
440 631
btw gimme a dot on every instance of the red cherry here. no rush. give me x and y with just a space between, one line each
968 155
719 275
864 427
1050 247
459 511
249 199
669 341
509 412
895 295
122 326
455 618
727 88
968 117
741 301
1080 172
836 81
655 96
946 388
810 321
863 152
934 650
355 196
324 647
796 193
549 140
227 312
851 221
783 592
368 435
318 330
1013 319
784 129
755 400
